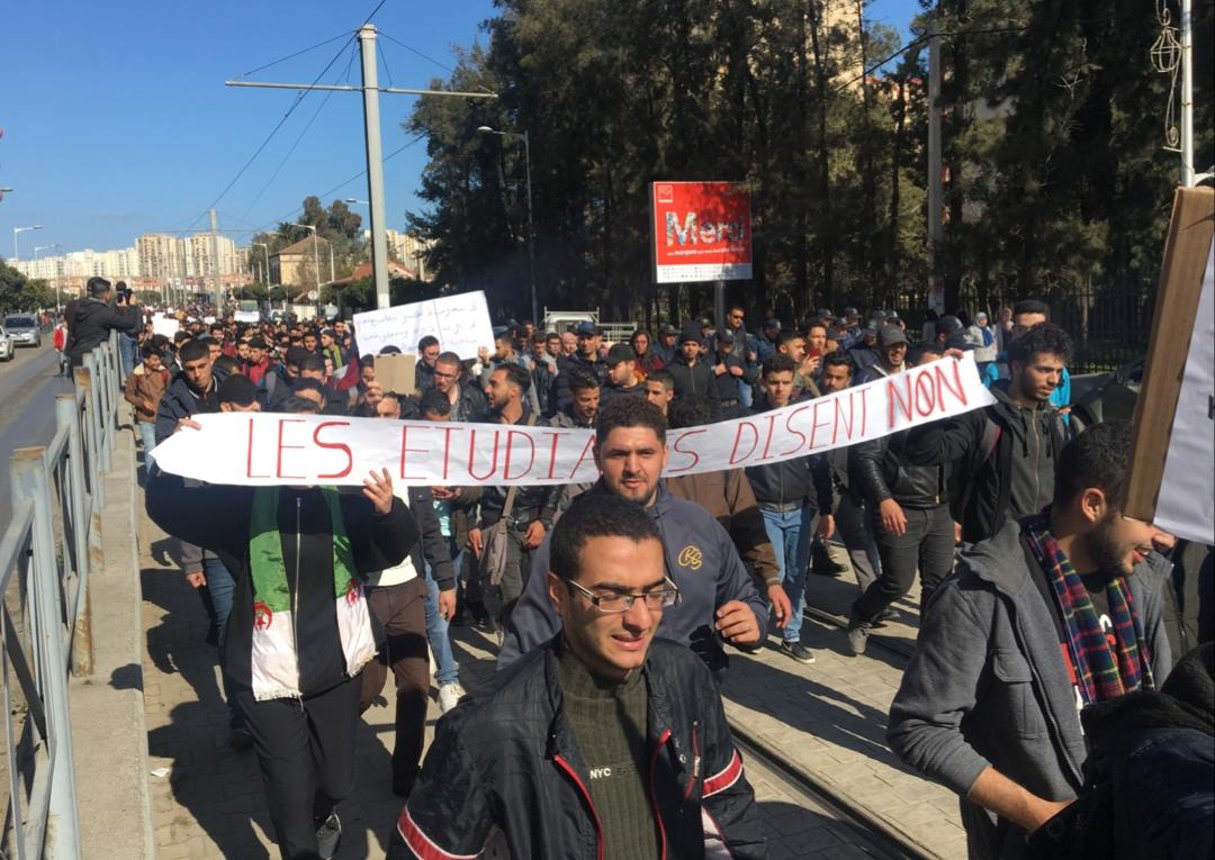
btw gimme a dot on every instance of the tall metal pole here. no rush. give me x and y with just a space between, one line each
936 286
531 225
217 279
1187 95
375 165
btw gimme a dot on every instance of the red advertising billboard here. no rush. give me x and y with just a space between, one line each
701 231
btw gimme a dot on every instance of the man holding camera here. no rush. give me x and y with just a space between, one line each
91 319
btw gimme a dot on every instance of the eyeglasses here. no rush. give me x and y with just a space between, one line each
615 603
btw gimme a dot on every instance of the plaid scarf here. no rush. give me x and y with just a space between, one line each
1101 672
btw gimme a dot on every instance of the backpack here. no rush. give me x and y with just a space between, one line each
961 481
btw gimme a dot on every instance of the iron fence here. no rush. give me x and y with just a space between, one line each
47 552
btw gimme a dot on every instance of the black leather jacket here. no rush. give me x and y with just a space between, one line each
532 502
505 768
885 473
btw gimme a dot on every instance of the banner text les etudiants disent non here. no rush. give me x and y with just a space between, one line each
269 449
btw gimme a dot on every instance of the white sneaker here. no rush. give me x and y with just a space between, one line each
449 696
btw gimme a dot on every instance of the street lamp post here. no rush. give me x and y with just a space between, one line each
266 251
54 245
531 226
16 230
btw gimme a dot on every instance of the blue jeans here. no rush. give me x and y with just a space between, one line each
222 587
789 532
147 435
746 396
126 354
447 670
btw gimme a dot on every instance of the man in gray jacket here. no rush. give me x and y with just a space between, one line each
1048 616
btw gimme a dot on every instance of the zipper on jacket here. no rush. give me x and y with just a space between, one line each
1033 423
295 599
662 830
687 792
586 795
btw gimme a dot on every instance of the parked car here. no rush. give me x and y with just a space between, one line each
24 329
7 347
1109 396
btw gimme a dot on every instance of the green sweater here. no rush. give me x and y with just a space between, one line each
609 722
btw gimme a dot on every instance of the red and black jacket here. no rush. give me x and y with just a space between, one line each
505 771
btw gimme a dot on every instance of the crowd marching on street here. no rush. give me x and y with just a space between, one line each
1059 685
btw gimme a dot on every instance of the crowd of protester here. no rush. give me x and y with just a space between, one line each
615 604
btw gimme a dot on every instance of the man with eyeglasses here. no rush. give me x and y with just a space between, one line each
600 743
467 401
721 603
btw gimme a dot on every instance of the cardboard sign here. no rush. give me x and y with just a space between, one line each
700 231
461 323
268 449
1170 482
395 372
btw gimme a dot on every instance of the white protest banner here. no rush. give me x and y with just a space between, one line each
247 317
1186 503
266 449
461 323
165 325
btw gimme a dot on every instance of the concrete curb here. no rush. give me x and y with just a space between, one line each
109 729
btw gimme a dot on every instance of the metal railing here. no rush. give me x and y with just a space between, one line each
47 552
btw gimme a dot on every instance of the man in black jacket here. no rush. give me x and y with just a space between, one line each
299 632
467 401
691 374
587 356
91 320
1006 453
533 509
911 524
602 743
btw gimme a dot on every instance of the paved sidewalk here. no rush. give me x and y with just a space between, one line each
829 719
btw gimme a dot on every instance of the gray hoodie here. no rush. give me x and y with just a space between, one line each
988 686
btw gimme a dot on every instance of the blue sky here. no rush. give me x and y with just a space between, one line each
117 122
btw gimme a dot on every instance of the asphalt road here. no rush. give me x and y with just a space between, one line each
28 386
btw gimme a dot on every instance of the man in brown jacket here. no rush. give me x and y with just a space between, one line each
145 386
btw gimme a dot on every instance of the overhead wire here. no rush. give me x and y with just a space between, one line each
292 56
294 104
303 132
346 182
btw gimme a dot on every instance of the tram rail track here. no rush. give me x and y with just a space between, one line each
878 838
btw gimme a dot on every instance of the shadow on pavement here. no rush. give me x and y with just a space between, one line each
220 788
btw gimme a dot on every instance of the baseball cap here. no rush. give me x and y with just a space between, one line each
889 335
588 329
824 313
851 312
620 352
500 330
773 323
667 328
238 389
725 335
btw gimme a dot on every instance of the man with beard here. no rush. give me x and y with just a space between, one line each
529 510
467 401
1010 448
1044 619
720 601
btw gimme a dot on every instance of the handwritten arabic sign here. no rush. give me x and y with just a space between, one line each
461 323
266 449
